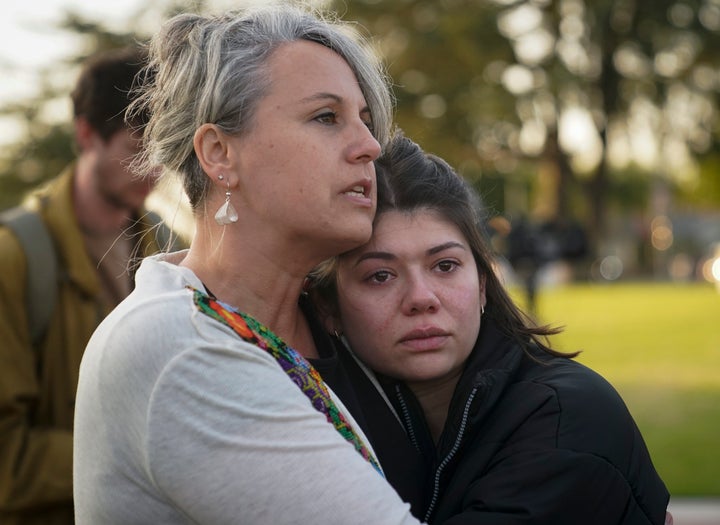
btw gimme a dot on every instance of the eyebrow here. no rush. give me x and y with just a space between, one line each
322 96
445 246
337 99
387 256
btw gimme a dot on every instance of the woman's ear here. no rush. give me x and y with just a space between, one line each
332 324
329 319
326 311
211 148
483 289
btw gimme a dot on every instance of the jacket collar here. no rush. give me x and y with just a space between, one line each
489 370
54 202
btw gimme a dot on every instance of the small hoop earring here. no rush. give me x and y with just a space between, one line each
227 214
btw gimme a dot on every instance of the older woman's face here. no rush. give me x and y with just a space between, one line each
305 165
410 298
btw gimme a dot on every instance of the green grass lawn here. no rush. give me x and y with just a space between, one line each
659 345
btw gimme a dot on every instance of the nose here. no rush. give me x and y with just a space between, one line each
365 146
419 297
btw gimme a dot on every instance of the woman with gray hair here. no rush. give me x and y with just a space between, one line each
196 402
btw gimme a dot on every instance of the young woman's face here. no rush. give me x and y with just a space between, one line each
410 298
305 165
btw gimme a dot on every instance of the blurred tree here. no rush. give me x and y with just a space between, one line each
589 91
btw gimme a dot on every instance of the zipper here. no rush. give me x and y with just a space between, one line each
449 456
406 418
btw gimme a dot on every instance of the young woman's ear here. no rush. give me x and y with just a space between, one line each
326 312
483 290
330 321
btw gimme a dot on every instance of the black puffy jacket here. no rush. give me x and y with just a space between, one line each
543 441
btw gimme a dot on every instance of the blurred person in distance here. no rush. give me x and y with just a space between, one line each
93 214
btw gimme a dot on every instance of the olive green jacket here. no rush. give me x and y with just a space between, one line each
37 385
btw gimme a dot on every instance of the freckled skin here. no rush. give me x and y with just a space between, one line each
416 274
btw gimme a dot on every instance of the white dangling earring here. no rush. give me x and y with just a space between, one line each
482 310
227 214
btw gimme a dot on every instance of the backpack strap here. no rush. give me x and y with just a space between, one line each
42 267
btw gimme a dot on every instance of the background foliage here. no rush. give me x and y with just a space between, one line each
598 114
574 96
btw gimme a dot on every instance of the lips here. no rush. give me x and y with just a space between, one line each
359 189
430 338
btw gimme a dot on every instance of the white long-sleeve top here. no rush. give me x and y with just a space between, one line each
178 420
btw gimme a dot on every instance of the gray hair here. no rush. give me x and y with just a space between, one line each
212 69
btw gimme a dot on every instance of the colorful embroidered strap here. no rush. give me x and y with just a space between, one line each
302 373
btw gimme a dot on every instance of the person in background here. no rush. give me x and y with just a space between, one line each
512 430
93 217
196 403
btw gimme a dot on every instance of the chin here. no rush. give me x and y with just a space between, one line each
406 373
356 238
426 373
419 377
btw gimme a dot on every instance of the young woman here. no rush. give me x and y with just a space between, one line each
195 401
513 431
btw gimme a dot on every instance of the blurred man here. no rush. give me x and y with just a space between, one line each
92 215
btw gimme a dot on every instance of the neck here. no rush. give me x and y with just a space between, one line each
434 397
248 274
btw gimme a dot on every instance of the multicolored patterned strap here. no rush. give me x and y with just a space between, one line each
302 373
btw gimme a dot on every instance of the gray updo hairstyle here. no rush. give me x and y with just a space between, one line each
212 69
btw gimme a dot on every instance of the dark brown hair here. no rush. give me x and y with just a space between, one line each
409 179
104 90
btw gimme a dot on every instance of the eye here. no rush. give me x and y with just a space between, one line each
369 124
367 119
447 266
329 117
379 277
